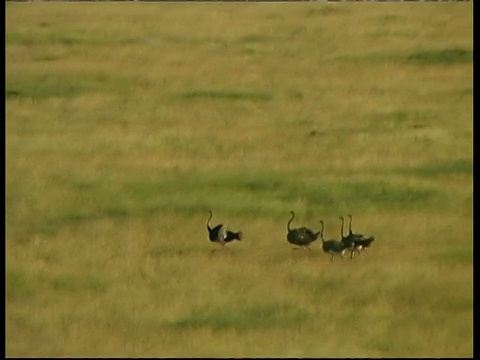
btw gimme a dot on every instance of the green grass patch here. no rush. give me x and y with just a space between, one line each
416 293
77 284
51 35
389 18
326 11
255 38
161 252
382 193
227 95
242 194
423 57
443 56
43 86
373 58
446 168
399 119
465 91
69 84
46 91
243 319
460 256
18 286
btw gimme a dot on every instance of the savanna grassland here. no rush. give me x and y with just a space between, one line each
127 122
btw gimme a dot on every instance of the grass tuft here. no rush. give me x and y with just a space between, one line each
444 56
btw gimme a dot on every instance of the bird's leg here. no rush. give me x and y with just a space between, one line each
223 247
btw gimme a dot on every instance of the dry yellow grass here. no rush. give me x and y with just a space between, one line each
126 122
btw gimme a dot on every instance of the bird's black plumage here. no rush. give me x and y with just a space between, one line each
220 233
355 242
232 235
302 236
332 247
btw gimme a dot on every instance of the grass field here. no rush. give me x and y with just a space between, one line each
127 122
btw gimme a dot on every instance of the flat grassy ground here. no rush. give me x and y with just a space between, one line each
126 122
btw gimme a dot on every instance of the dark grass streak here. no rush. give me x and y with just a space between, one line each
444 56
241 319
227 95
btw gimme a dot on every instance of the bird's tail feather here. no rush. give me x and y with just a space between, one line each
232 235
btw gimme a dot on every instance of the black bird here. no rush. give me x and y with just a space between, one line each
333 247
362 242
302 236
346 240
220 233
356 242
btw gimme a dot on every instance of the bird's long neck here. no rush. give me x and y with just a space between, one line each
208 221
350 225
341 229
321 231
291 219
